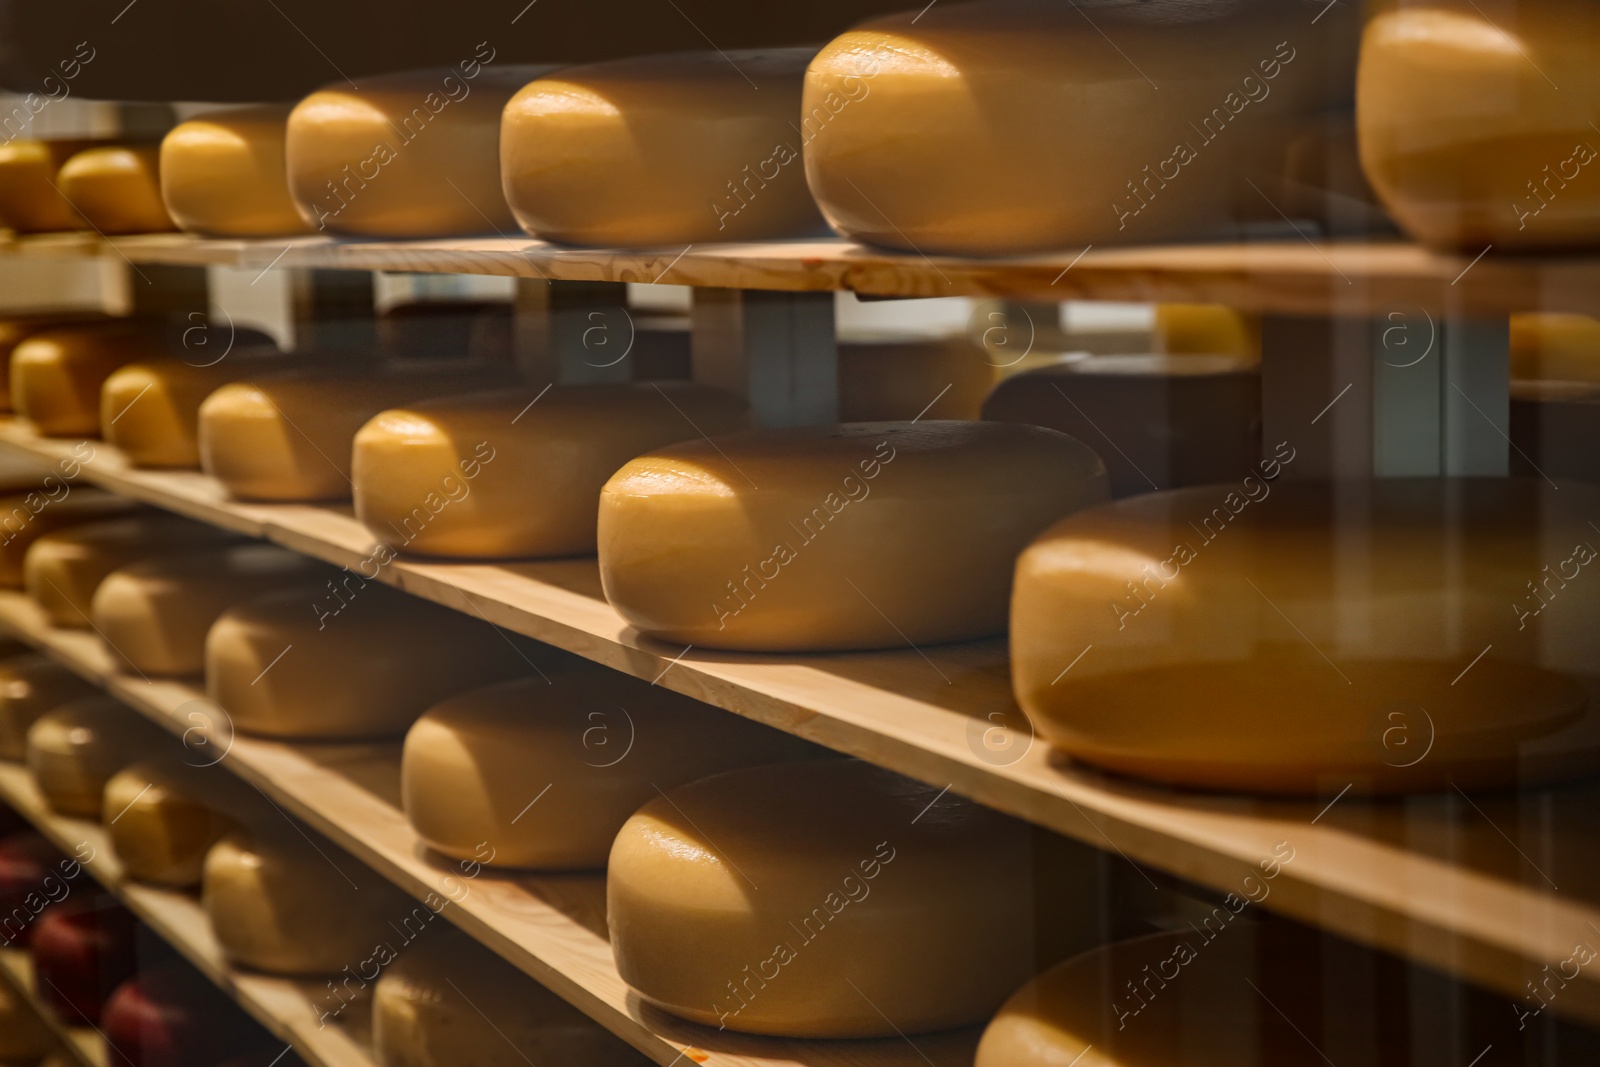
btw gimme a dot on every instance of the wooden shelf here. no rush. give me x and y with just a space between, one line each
288 1009
81 1043
1466 885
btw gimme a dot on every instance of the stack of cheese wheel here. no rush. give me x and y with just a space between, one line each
1161 422
24 1037
223 174
117 189
1174 612
826 897
29 516
63 569
73 751
865 535
163 817
597 742
154 615
302 662
404 155
15 329
1476 130
30 190
518 474
661 150
447 1000
30 685
903 116
288 437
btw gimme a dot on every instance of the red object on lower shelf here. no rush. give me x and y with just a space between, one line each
171 1017
83 948
30 878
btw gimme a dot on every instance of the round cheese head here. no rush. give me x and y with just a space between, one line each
1159 421
117 189
223 174
16 329
30 189
56 375
404 155
159 826
1551 346
543 772
29 516
1207 330
24 1038
661 150
518 473
1464 133
154 615
887 379
1303 637
30 685
288 437
307 663
74 750
446 1000
821 899
63 569
982 128
865 535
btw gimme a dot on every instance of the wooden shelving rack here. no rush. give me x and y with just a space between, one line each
81 1043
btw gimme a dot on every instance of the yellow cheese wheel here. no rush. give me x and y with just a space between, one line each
24 1037
159 825
447 1002
824 898
290 665
288 437
279 904
404 155
154 615
1019 125
223 174
15 329
1208 330
660 150
865 535
1475 128
117 188
30 685
1160 421
1303 637
27 517
57 374
887 378
30 189
1552 346
518 473
543 772
63 569
73 751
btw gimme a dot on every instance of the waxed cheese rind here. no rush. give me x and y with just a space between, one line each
74 750
59 504
57 374
117 189
31 685
160 831
223 174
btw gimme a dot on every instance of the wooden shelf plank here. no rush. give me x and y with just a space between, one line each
1469 887
81 1043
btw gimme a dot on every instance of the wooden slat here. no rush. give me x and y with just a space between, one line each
81 1043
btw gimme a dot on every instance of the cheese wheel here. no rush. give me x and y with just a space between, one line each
63 569
74 750
278 904
405 155
821 899
117 188
905 117
1555 347
589 746
159 827
289 665
223 174
56 375
1294 638
887 378
1463 131
83 948
30 190
24 1037
31 685
1159 421
154 615
447 1001
518 473
1207 330
288 437
28 863
15 329
661 150
1555 430
169 1015
824 538
27 517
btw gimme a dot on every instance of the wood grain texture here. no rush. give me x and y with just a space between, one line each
80 1043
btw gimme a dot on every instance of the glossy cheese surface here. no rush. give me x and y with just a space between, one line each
74 750
56 375
1553 346
24 1038
1207 330
223 174
664 149
518 473
117 188
885 379
63 569
589 746
1198 677
26 517
151 410
30 685
15 329
154 615
1475 126
303 663
159 828
1135 124
289 436
865 535
404 155
30 191
753 900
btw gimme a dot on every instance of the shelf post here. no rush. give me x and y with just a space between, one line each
776 349
573 332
